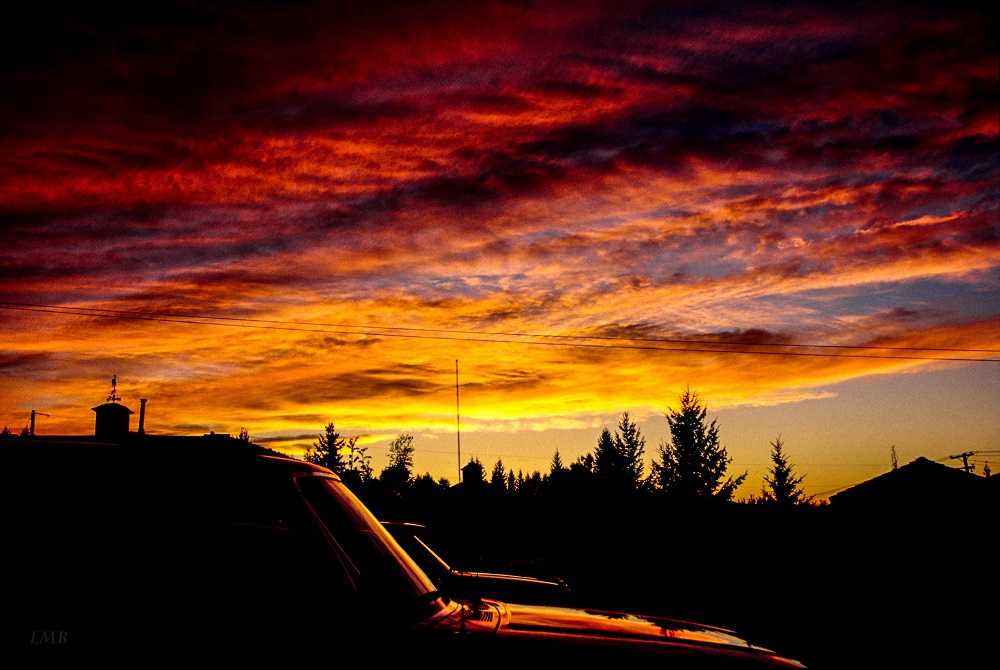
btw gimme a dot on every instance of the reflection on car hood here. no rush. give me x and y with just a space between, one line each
613 624
610 627
597 631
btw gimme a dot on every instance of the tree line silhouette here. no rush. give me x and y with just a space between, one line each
691 466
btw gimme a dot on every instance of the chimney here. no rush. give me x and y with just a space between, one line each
142 416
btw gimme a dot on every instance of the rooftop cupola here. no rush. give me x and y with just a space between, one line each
112 417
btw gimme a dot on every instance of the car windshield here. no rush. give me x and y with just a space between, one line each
374 561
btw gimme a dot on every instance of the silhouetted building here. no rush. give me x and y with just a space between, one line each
112 426
473 473
112 421
921 486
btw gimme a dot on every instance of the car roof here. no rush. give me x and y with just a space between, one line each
71 483
178 454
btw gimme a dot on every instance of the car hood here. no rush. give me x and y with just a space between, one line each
618 628
596 630
612 624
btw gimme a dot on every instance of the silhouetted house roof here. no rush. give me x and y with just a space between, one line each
111 427
920 485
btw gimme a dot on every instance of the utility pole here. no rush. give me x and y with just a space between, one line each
458 425
31 431
965 459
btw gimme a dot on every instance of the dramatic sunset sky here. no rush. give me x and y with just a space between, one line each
278 218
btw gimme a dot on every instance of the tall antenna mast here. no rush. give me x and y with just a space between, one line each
458 425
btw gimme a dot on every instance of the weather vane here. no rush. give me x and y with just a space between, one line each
114 383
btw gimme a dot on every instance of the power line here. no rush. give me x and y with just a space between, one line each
490 337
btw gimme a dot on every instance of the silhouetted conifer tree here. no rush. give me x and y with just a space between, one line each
630 445
782 487
557 463
605 461
692 465
558 475
329 450
498 479
618 460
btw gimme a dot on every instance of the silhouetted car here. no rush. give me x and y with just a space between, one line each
223 551
475 585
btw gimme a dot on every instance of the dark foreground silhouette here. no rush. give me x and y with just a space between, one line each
869 586
220 549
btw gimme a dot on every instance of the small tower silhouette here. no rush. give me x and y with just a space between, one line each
112 418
